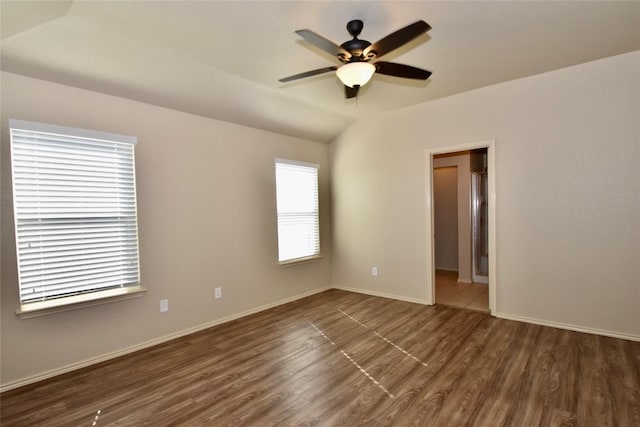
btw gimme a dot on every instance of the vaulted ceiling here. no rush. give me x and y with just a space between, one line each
223 59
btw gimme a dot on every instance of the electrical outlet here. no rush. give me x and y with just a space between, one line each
164 305
218 293
374 271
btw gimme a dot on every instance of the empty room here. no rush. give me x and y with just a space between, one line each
328 213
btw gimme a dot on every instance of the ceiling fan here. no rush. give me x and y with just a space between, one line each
356 55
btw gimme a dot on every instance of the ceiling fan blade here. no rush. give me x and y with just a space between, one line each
401 70
308 74
324 44
397 39
351 92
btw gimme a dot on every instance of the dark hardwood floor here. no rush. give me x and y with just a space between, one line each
345 359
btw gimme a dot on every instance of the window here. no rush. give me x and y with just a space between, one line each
74 203
297 205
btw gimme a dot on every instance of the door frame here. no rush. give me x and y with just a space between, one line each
490 145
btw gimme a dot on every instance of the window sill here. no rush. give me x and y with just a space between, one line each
44 308
297 261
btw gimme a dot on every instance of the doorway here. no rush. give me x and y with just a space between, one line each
462 175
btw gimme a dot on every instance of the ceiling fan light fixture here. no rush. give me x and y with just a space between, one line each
355 73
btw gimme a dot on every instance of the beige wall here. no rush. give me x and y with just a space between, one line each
206 209
567 184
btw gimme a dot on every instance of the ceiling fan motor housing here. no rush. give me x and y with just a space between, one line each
356 46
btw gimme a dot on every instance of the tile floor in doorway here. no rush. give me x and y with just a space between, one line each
467 295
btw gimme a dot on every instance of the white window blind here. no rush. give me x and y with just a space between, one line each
297 206
75 211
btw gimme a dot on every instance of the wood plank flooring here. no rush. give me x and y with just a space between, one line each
346 359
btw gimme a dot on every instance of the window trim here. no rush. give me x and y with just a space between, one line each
76 302
90 298
301 260
66 130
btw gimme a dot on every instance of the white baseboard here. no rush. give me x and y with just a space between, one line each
92 361
382 294
569 327
504 316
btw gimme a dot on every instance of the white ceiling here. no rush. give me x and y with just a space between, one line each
223 59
